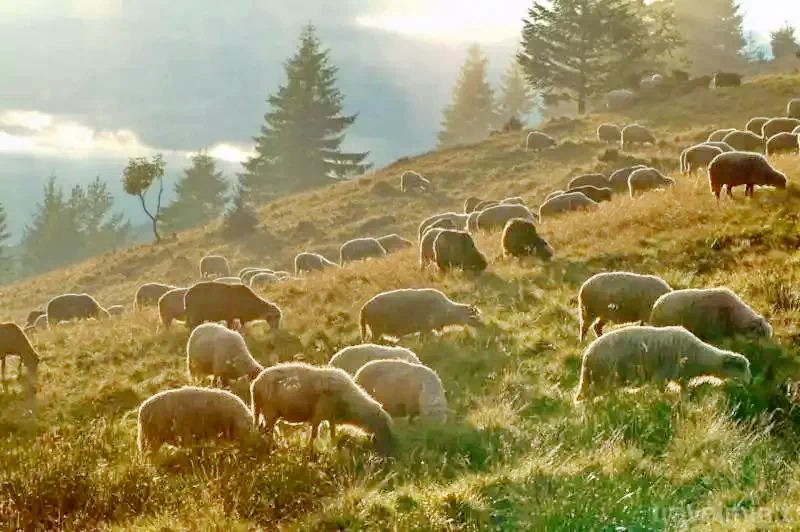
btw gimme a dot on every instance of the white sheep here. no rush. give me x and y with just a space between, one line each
405 389
568 201
171 306
215 350
262 279
644 179
353 357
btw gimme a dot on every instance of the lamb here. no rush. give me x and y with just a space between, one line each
183 416
68 307
171 306
744 141
360 249
782 142
593 193
14 342
620 297
742 168
588 180
352 358
727 79
408 311
617 99
645 179
720 134
779 125
756 124
470 204
495 218
619 179
709 313
260 280
608 133
216 265
216 351
411 180
149 293
456 249
210 301
793 108
405 389
300 393
521 240
309 262
536 140
698 156
426 252
633 355
569 201
33 316
636 134
394 242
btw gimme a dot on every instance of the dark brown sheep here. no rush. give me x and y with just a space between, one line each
67 307
209 301
520 239
594 193
456 249
781 124
727 79
33 316
214 265
742 168
149 293
14 342
360 249
756 124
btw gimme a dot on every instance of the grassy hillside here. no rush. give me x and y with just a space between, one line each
517 454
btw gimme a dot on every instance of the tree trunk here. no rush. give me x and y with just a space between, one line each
153 219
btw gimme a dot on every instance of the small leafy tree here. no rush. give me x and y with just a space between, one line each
783 41
137 179
240 219
200 195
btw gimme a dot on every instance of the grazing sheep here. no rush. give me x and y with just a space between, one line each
171 306
14 342
405 389
216 351
471 203
300 393
720 134
456 249
724 146
698 156
553 194
426 252
210 301
569 201
796 131
756 124
411 180
228 280
618 99
634 355
247 270
247 277
608 133
514 200
636 134
778 125
149 293
68 307
793 107
183 416
360 249
536 140
651 83
588 180
309 262
33 316
444 223
521 240
782 142
472 221
216 265
619 179
619 297
116 310
485 204
394 242
645 179
260 280
727 79
41 322
594 193
742 168
408 311
709 313
352 358
495 218
458 220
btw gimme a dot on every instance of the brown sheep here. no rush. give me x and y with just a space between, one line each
720 134
744 141
248 276
33 316
520 240
172 307
569 201
394 242
210 301
727 79
68 307
149 293
588 180
608 133
594 193
779 125
782 142
756 124
742 168
14 342
360 249
696 157
619 179
495 218
536 140
215 265
309 262
456 249
411 180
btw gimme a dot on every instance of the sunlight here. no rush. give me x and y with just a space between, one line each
227 152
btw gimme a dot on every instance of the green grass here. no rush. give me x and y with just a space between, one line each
518 454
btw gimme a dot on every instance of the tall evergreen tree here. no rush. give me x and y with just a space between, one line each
783 41
712 30
471 115
517 99
581 46
300 142
200 195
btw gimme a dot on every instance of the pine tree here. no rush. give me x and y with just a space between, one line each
471 115
582 46
200 195
713 33
300 142
517 99
783 42
239 219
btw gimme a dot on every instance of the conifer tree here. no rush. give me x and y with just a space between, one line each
240 219
300 143
712 30
517 99
471 115
200 195
783 42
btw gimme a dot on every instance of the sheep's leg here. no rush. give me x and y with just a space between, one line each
730 191
748 191
598 327
333 429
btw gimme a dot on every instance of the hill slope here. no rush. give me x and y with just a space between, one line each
517 453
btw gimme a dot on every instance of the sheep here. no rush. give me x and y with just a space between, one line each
569 201
756 124
426 252
394 242
171 306
116 310
619 179
617 99
796 131
456 249
742 168
536 140
719 135
727 79
520 240
360 249
408 311
779 125
696 157
470 204
588 180
495 218
608 133
260 280
594 193
619 297
514 200
724 146
553 194
485 204
33 316
149 293
210 301
14 342
651 83
458 220
248 276
633 355
709 313
782 142
216 351
41 322
352 358
309 262
472 221
282 275
301 393
405 389
183 416
411 180
645 179
444 223
214 265
793 108
228 280
68 307
246 270
636 134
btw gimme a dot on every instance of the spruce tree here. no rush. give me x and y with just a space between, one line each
782 41
239 219
581 46
300 143
517 99
471 115
713 33
200 195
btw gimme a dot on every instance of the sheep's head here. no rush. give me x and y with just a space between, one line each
466 315
735 366
272 314
543 250
760 327
775 179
